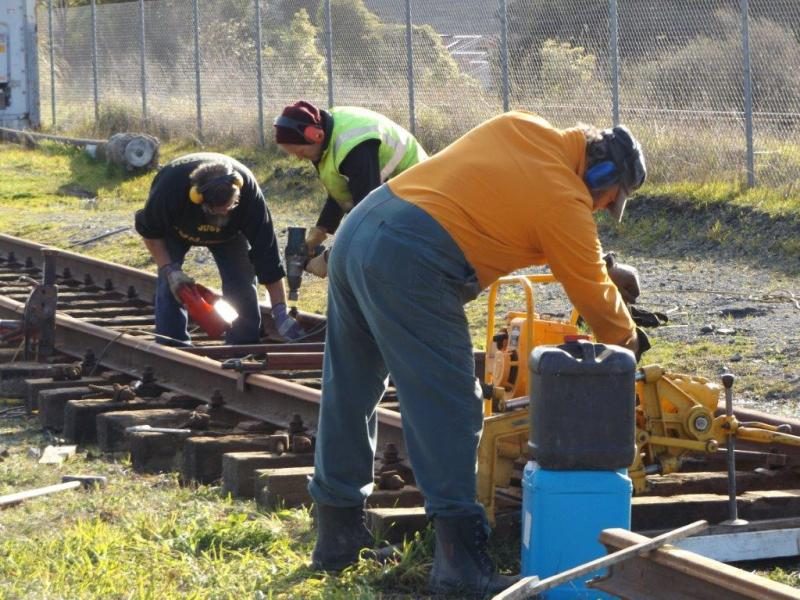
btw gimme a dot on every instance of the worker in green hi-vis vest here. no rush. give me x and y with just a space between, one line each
354 150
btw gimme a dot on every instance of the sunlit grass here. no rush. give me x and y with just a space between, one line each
143 536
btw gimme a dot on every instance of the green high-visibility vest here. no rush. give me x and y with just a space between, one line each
398 151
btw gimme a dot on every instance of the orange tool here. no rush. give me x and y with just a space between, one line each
210 311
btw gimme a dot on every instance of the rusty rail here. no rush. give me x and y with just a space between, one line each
674 574
125 294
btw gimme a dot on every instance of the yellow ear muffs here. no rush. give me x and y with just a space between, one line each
195 195
237 179
196 192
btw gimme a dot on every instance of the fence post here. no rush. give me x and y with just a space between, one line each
142 59
329 49
259 81
52 63
748 94
613 50
198 96
412 111
94 64
504 52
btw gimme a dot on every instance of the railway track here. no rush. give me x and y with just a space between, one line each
107 309
107 381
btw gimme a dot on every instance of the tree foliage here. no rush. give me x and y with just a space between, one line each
365 48
566 70
671 77
293 60
668 24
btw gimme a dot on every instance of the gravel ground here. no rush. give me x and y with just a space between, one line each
728 316
748 317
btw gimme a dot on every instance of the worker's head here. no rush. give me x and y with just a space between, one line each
215 186
299 130
615 168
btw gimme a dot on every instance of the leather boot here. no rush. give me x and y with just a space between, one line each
461 562
341 535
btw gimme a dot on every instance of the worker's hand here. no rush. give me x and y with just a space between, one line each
625 277
642 343
176 278
315 237
287 326
318 265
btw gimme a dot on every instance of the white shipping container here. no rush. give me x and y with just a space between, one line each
19 73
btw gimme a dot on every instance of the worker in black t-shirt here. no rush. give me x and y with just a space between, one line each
209 199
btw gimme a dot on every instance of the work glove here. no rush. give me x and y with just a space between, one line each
288 328
176 278
647 318
625 277
315 237
318 265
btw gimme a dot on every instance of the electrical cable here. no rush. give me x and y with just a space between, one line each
778 297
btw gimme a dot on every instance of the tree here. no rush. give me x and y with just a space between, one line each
292 61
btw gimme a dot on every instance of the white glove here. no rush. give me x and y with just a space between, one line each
287 326
318 265
176 278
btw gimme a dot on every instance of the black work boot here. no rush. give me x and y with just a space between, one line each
341 535
461 562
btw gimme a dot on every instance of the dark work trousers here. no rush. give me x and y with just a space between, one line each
397 285
238 288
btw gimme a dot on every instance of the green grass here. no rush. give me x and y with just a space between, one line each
760 225
143 536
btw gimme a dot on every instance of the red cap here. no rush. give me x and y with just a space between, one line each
300 113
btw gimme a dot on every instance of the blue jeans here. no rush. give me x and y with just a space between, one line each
396 293
238 288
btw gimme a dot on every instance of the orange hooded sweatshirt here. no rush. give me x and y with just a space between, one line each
511 194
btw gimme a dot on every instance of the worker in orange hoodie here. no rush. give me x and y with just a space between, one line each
513 192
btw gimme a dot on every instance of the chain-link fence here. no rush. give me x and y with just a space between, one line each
711 87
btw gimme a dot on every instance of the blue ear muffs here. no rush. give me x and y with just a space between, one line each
602 175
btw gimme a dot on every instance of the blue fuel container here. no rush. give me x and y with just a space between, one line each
582 441
563 513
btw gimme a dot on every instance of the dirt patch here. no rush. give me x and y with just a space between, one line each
727 277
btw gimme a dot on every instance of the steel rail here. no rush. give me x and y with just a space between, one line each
675 574
104 274
257 396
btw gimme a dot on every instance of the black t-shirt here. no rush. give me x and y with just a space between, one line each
168 212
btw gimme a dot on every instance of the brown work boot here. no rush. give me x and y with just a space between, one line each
461 562
342 534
